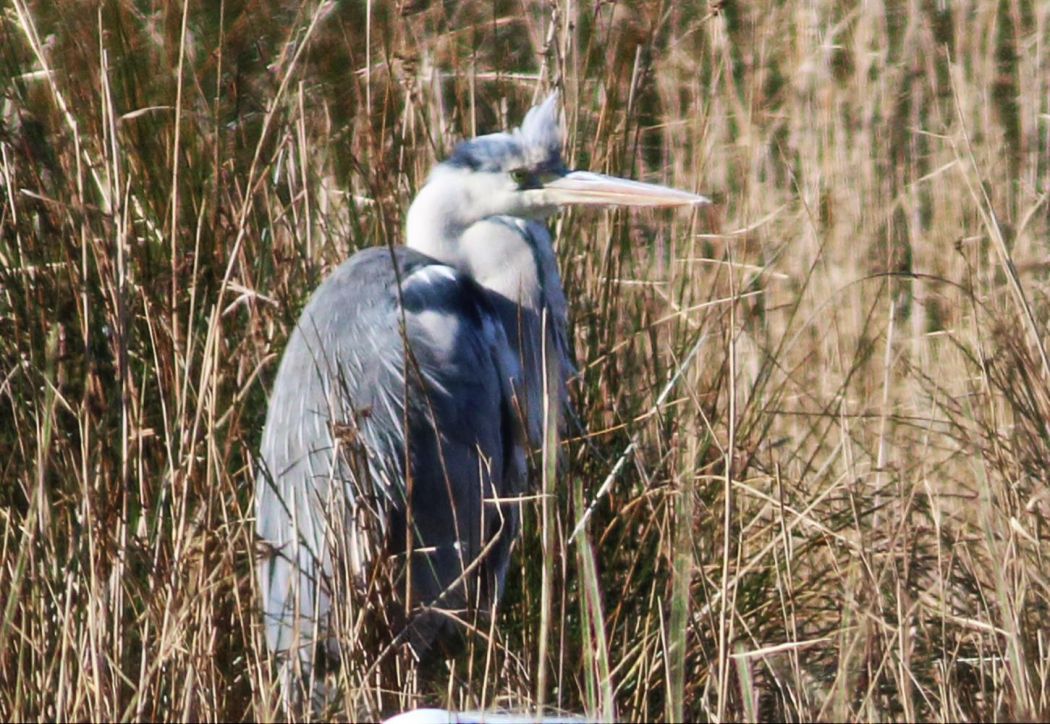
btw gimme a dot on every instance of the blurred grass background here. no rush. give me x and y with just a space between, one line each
817 412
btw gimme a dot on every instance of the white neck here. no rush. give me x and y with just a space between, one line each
434 225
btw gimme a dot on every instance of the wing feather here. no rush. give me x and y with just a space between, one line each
349 407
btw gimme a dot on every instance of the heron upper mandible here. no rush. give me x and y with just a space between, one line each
411 389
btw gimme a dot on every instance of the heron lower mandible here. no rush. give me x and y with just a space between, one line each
411 390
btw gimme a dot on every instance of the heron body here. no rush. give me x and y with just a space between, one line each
354 398
411 390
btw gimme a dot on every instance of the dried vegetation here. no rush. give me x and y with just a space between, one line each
818 446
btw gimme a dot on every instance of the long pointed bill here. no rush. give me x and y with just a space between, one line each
583 187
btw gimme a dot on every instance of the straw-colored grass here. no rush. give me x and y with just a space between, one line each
818 445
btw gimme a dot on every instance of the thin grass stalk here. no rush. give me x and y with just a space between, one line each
176 145
678 625
600 671
746 681
725 616
548 476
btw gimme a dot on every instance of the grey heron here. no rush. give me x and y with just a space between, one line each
411 390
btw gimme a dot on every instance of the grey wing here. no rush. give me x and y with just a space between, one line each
554 300
350 408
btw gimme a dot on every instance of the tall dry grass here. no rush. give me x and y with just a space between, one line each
817 454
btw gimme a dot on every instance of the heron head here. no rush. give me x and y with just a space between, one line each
521 173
